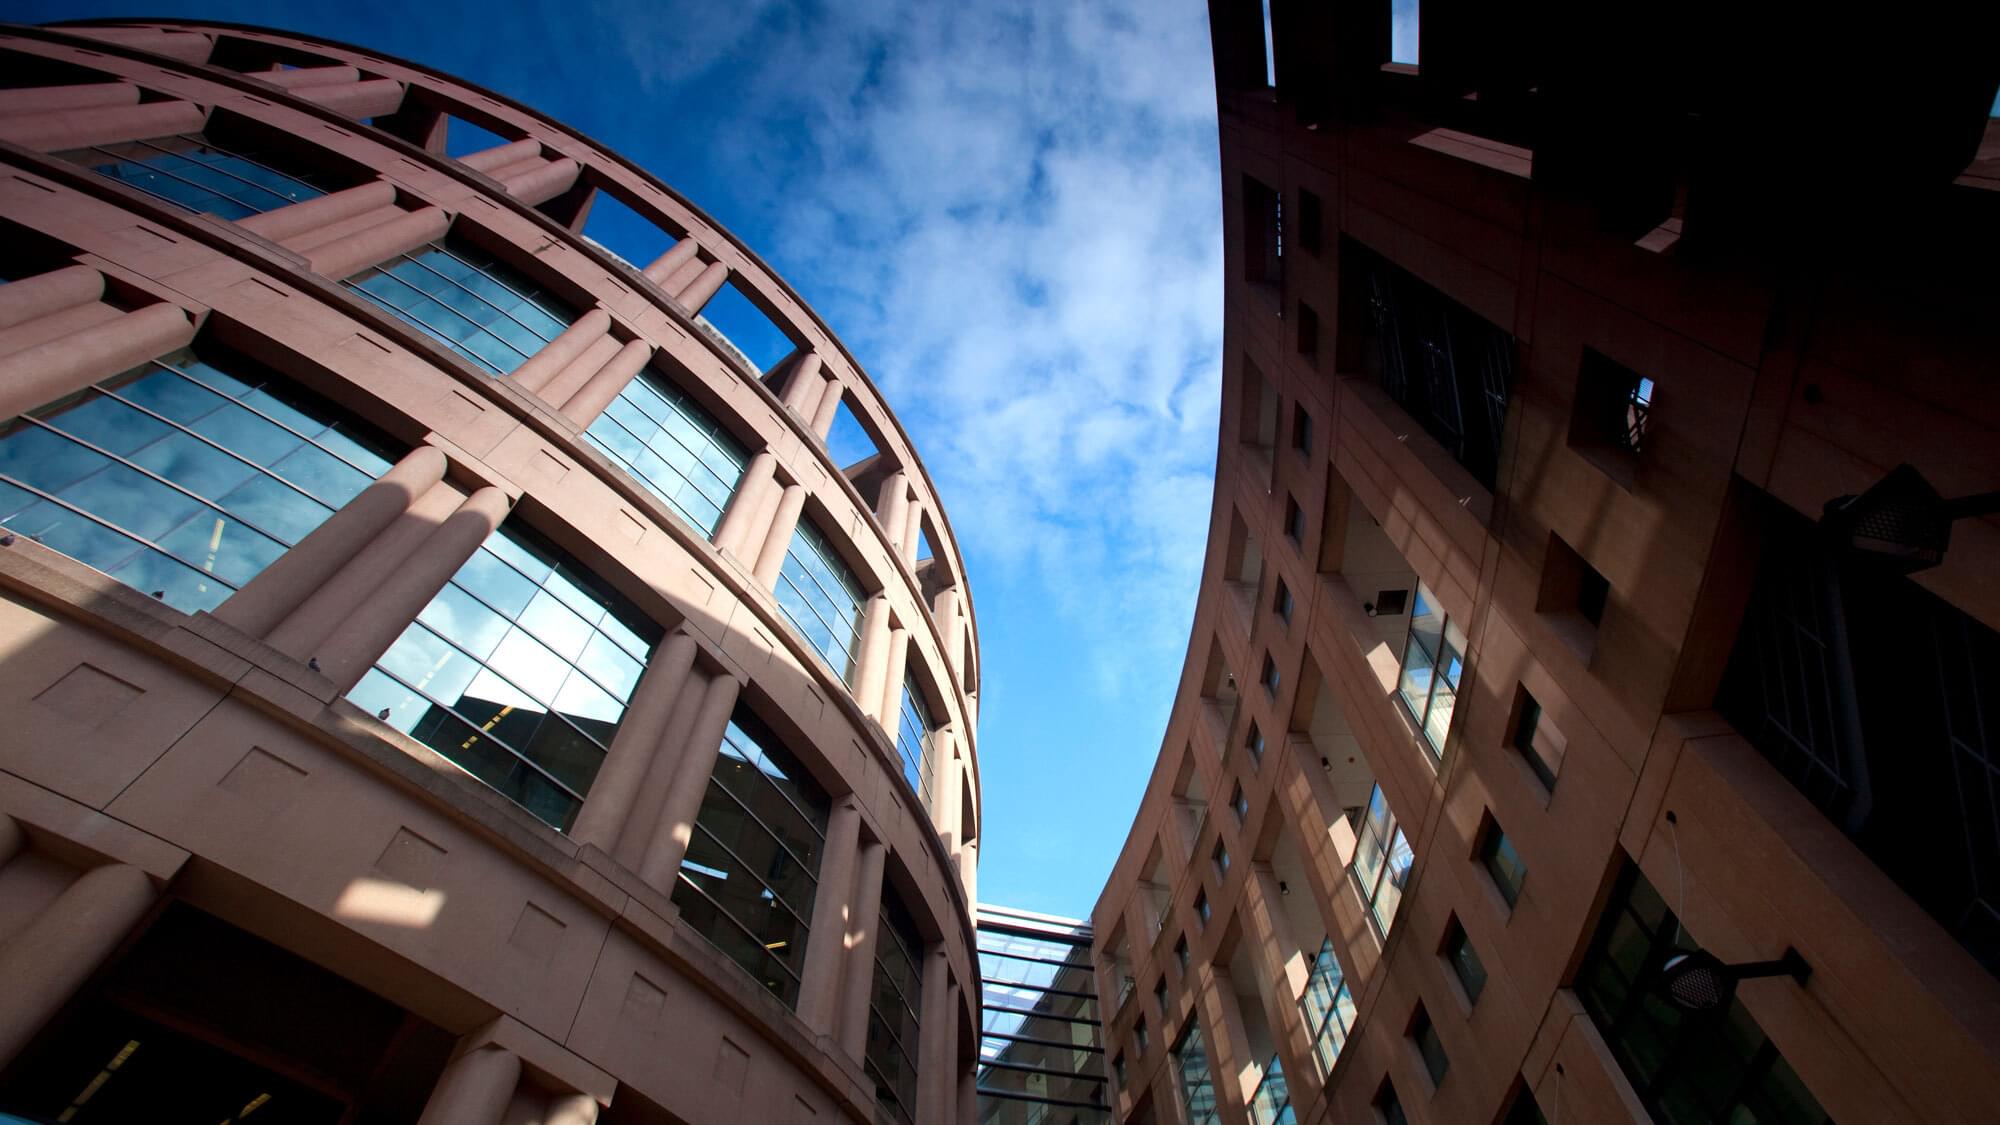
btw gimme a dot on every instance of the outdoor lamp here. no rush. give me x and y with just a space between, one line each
1901 520
1699 982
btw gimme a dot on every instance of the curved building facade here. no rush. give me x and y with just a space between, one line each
447 677
1541 641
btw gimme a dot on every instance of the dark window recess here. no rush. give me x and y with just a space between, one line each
1389 1105
1540 744
1254 740
1309 222
1612 404
1221 857
1571 584
1281 602
1302 429
1241 804
1464 961
1295 522
1502 862
1391 603
1160 995
1524 1111
1308 331
1875 699
1263 233
1201 907
1450 369
1424 1034
1269 678
1712 1069
1180 946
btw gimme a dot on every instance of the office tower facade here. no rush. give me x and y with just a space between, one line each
448 677
1544 652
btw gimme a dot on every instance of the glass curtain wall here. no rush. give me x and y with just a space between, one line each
1382 860
676 449
1328 1005
518 672
1197 1083
752 866
196 173
1433 662
913 740
474 304
186 475
822 598
893 1005
1040 1056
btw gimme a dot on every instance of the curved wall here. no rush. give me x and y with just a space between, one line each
229 711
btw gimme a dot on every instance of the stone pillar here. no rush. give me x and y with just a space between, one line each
299 78
474 1088
539 185
819 990
871 656
608 383
371 627
935 1036
282 587
669 263
49 959
741 519
890 710
377 97
968 869
493 159
829 404
48 371
41 99
378 244
913 532
948 788
578 371
944 608
778 536
34 297
63 129
535 372
892 507
675 825
704 286
858 981
638 741
299 218
803 387
968 1097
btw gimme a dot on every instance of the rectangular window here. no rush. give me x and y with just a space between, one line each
1197 1084
1502 862
1389 1105
1295 522
1612 405
1524 1111
1201 907
822 598
1181 954
1684 1067
1433 663
1429 1046
1308 332
1253 739
913 740
1221 857
1540 744
518 672
1139 1034
1302 430
1160 996
1281 602
1382 860
1403 32
1328 1006
1271 1104
1240 803
185 476
676 449
752 866
893 1003
1269 678
201 175
1263 233
1464 961
473 303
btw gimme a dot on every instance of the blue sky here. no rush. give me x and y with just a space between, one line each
1010 214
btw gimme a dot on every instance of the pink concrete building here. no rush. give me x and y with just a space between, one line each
445 677
1525 665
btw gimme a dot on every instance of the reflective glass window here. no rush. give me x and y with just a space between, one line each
751 872
1196 1082
1503 863
913 739
474 304
675 448
821 597
1328 1006
1272 1102
518 672
1433 663
1464 961
1424 1034
1382 860
184 476
893 1003
194 172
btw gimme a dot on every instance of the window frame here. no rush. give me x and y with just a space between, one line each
1419 664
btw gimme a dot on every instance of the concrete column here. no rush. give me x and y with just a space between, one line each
608 383
944 608
538 369
704 286
579 371
948 785
49 959
935 1036
667 264
892 507
968 1097
299 78
609 804
62 129
282 587
32 298
859 978
757 487
371 627
378 244
663 768
42 99
778 535
968 869
299 218
187 46
377 97
889 710
871 656
819 990
75 321
1235 1073
474 1088
912 533
829 404
675 826
803 387
493 159
48 371
544 183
